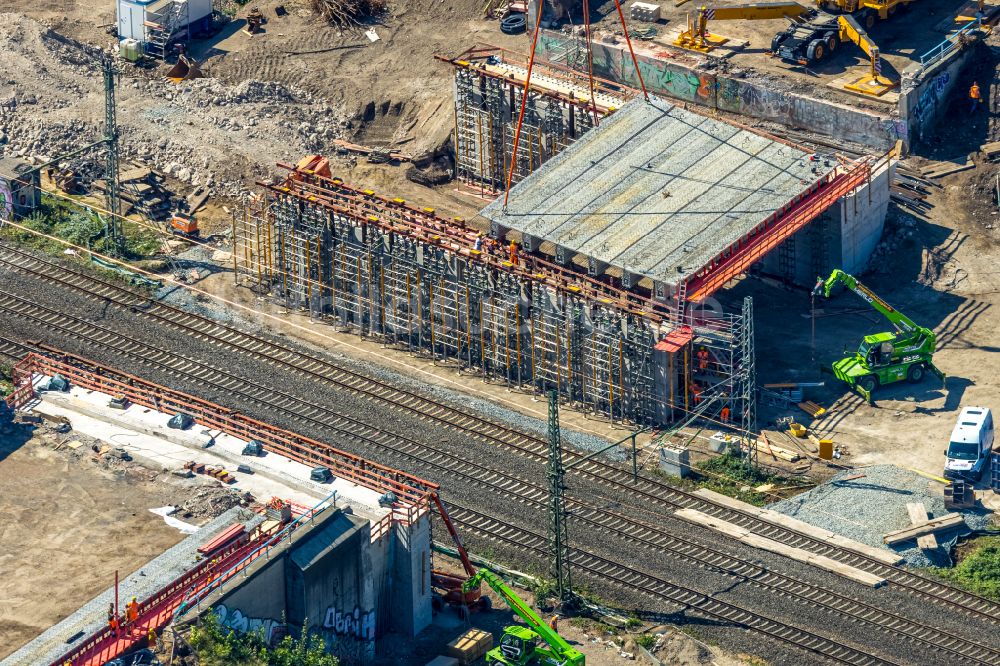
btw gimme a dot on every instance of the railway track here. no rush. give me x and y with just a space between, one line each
647 493
600 568
653 537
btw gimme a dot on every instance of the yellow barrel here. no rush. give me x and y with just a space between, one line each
826 449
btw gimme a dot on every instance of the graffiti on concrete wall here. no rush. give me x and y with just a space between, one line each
271 630
356 623
931 97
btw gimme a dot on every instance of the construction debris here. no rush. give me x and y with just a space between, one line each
345 13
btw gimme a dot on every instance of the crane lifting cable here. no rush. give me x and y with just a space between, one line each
524 102
631 51
590 61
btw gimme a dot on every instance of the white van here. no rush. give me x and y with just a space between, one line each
968 453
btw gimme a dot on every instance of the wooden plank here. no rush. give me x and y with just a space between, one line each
776 518
949 170
812 409
944 522
797 554
918 514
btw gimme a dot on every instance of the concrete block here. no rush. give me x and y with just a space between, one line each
675 461
644 11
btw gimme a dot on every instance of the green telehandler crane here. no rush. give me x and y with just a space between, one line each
883 358
519 645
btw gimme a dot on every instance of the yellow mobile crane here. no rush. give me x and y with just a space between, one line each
698 38
810 38
866 10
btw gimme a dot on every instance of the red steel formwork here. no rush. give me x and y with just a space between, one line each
413 493
410 490
752 247
452 235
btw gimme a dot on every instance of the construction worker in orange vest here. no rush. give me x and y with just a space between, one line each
132 611
724 414
554 623
975 97
513 252
112 620
696 392
702 359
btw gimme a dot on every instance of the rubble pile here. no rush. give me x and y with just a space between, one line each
203 132
208 502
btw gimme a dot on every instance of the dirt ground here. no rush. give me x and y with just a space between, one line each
68 525
602 643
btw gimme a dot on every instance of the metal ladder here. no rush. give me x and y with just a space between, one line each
161 31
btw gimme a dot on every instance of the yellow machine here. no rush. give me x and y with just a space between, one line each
869 8
697 37
810 38
873 84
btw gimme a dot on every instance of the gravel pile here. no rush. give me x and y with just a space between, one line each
866 508
203 132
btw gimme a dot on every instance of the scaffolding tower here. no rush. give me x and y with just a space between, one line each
415 282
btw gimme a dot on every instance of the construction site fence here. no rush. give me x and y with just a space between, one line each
384 273
410 491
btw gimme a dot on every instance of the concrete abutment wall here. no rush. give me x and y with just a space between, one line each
924 93
334 578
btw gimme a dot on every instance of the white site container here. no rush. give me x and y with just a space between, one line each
134 14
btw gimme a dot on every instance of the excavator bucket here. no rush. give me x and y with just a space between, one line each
185 70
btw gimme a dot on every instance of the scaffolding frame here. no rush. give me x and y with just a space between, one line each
403 276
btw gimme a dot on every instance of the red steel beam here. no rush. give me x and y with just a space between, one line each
772 232
411 490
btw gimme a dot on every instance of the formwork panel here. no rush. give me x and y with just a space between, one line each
411 290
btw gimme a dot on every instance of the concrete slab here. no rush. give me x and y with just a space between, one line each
777 518
145 435
658 191
797 554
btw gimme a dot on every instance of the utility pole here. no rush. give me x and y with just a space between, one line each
748 382
111 174
558 534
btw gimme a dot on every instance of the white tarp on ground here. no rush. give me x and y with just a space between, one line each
165 511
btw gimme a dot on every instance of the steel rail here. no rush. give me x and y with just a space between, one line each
648 535
648 492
